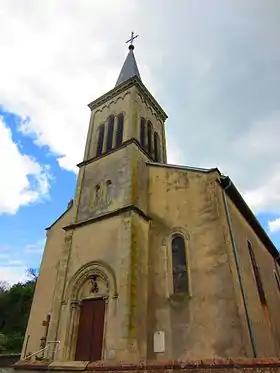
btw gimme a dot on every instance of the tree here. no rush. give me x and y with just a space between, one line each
3 341
4 286
33 273
15 304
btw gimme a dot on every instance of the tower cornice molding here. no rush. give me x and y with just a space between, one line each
126 209
134 81
124 144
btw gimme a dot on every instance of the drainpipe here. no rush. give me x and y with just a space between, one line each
236 257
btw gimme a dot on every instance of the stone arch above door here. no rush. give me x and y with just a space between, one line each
93 279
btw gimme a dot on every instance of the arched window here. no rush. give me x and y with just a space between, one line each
97 195
119 137
108 192
109 143
149 138
156 147
179 265
100 140
142 132
257 274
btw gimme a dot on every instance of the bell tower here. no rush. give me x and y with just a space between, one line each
127 112
126 130
98 252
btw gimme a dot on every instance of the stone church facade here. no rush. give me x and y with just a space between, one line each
152 261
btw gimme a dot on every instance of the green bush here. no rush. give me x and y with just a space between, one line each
15 304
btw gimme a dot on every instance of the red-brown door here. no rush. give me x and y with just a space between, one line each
90 332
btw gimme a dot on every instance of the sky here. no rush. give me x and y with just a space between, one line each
212 65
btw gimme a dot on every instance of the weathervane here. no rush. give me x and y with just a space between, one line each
131 46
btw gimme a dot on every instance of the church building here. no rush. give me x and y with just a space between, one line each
151 260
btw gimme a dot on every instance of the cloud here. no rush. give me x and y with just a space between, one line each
35 248
213 66
23 180
55 62
13 274
274 226
174 155
15 260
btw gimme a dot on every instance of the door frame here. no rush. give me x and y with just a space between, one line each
105 298
73 297
75 309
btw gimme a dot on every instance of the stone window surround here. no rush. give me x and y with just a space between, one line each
167 243
106 128
147 123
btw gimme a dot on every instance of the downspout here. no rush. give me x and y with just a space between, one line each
236 257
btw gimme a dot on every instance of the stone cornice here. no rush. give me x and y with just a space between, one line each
133 140
122 210
134 81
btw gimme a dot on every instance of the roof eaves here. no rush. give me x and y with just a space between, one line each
122 87
150 97
112 93
245 210
187 168
63 214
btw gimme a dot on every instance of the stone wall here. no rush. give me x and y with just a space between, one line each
43 300
183 201
264 317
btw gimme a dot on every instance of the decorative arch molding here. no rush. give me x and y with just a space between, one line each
173 296
113 102
176 231
144 101
99 268
112 132
118 98
93 280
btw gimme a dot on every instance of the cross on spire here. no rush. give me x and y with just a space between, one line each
131 46
129 68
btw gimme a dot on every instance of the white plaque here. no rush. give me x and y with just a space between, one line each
111 354
159 341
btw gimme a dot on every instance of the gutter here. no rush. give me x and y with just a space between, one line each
242 206
237 262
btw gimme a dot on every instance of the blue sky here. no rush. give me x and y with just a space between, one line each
23 233
214 69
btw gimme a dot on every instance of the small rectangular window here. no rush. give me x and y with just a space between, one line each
257 274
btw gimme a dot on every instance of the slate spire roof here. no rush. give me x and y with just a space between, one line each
129 68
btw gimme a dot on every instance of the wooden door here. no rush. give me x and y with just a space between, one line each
90 332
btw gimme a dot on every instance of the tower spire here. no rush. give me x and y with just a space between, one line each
129 68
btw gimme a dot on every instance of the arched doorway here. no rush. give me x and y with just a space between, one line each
91 292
